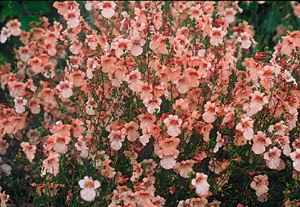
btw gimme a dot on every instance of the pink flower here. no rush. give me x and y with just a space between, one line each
34 105
260 184
14 27
137 48
173 124
258 100
185 168
152 104
245 40
5 34
88 192
209 115
72 17
201 184
51 164
121 45
217 35
65 88
107 8
20 103
116 138
246 127
29 150
295 156
260 142
272 158
131 130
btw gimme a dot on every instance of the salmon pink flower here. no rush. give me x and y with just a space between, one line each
107 8
34 105
20 103
210 110
245 40
116 138
246 127
272 158
29 150
14 27
201 184
121 45
173 124
5 34
152 104
260 142
258 100
137 48
217 35
89 186
185 168
260 184
295 156
72 17
51 164
65 88
131 130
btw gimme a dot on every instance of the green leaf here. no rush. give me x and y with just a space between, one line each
12 7
25 21
38 6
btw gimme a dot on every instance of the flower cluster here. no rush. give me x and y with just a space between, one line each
163 97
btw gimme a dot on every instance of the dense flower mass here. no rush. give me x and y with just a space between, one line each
159 103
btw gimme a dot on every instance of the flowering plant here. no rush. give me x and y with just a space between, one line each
132 107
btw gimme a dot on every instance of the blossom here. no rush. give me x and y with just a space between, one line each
185 168
137 48
209 115
29 150
72 17
201 184
34 105
4 35
260 142
51 164
14 27
107 8
295 156
65 88
152 104
245 40
173 124
116 139
260 184
88 192
217 35
246 127
120 45
131 130
20 103
272 158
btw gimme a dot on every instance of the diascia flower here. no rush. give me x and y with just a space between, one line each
246 127
201 184
51 164
173 124
217 36
20 103
88 192
65 88
295 156
29 150
107 8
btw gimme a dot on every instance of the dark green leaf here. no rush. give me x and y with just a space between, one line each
13 8
37 6
25 20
